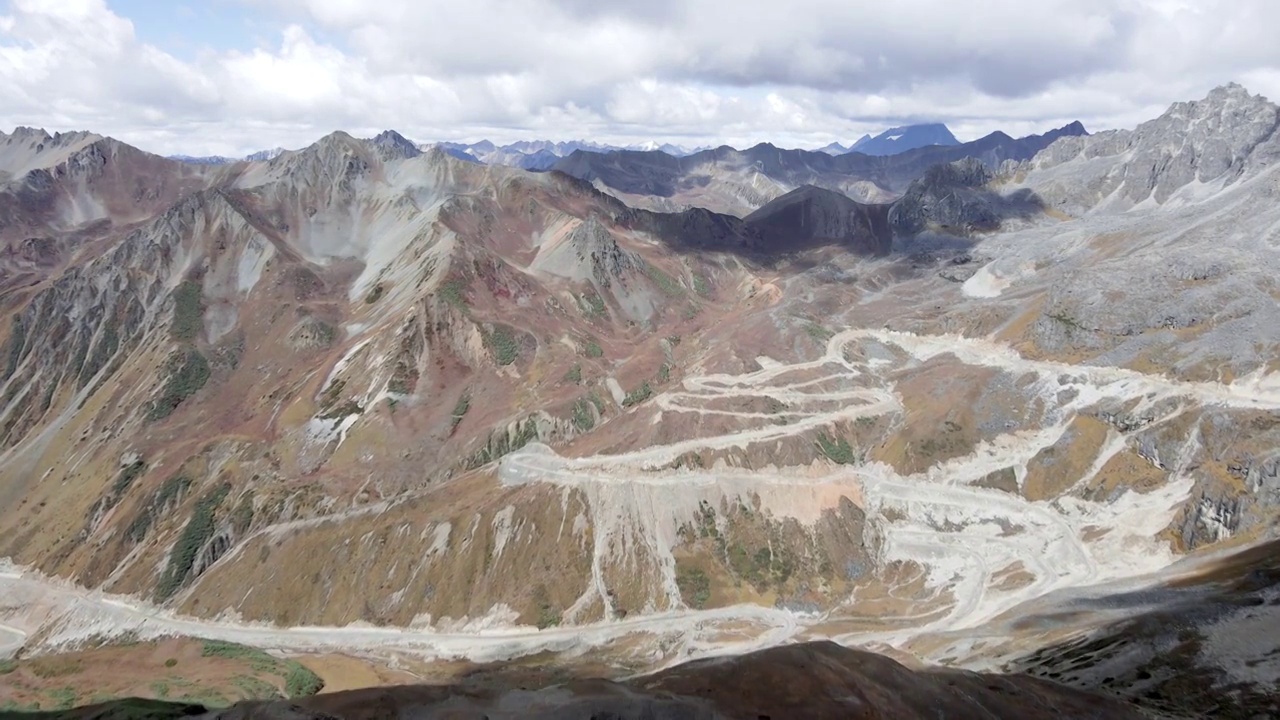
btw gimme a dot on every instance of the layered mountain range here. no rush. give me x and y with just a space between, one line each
364 398
738 182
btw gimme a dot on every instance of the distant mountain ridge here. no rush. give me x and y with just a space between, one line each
741 181
901 139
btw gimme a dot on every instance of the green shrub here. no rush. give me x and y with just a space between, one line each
251 688
171 489
639 395
592 304
695 587
375 294
127 476
299 681
837 450
188 373
8 666
460 410
194 535
817 332
574 375
701 285
547 616
454 292
503 442
171 662
502 345
64 698
257 659
188 312
17 339
242 516
592 349
664 373
341 410
667 284
597 401
582 417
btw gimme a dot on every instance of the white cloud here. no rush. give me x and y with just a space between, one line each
698 71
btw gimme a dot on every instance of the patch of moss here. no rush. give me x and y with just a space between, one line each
300 681
64 698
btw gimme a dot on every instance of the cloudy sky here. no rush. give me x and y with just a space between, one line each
232 76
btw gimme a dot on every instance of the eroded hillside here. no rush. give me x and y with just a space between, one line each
361 384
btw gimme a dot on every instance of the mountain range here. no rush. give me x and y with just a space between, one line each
543 154
739 181
1009 407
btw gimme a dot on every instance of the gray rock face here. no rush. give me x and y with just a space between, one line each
1214 139
949 195
594 244
391 145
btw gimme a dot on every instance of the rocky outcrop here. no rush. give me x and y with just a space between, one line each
391 145
1216 139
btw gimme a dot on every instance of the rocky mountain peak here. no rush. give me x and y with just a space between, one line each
391 145
1215 139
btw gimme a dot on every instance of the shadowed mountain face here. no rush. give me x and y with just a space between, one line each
818 681
810 216
740 181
